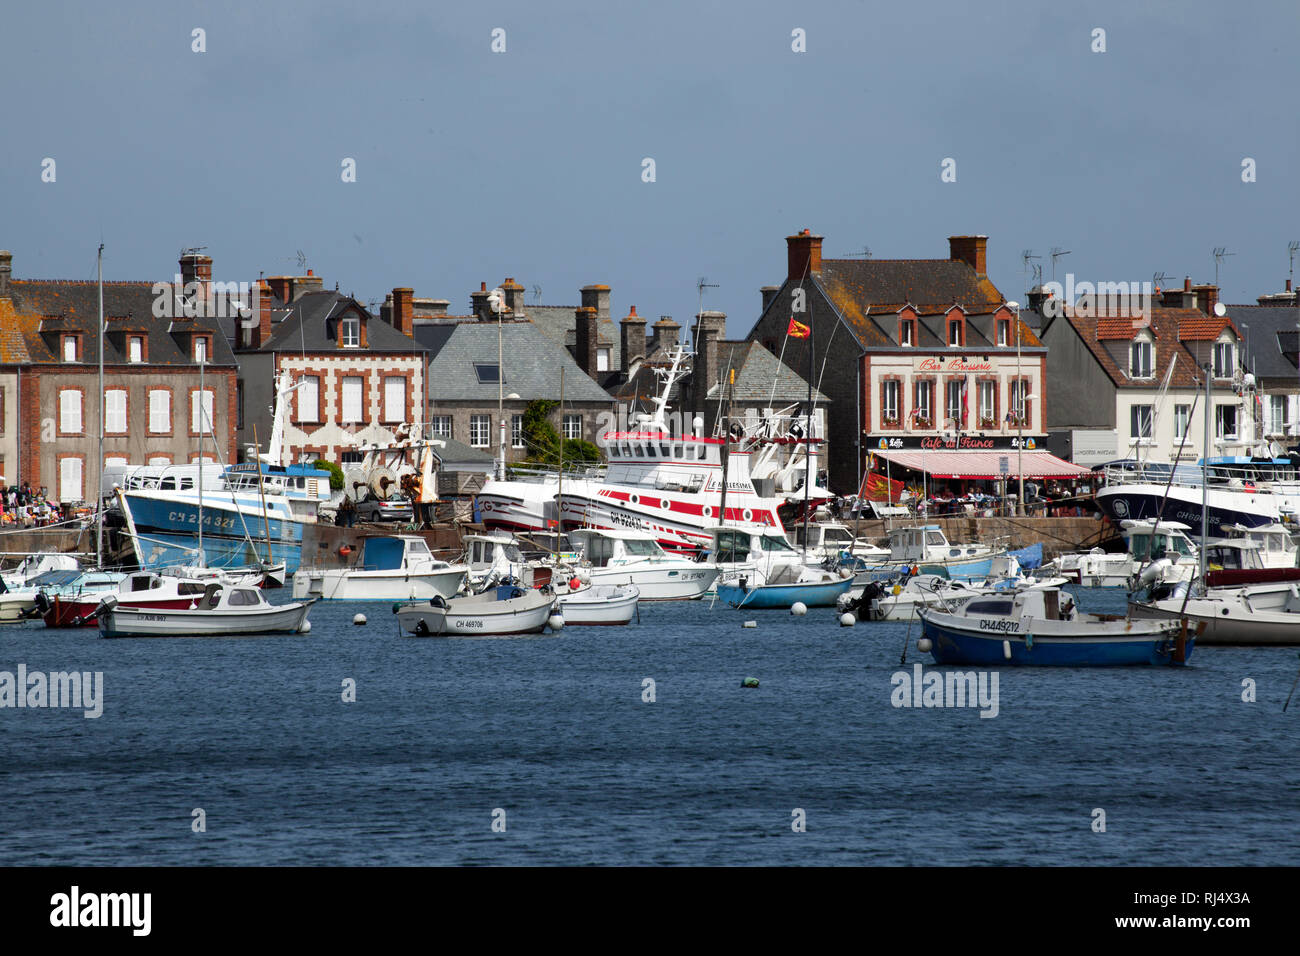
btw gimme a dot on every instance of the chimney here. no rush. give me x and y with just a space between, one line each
803 255
632 339
1206 297
597 297
301 285
7 272
256 336
768 293
514 296
665 334
478 303
404 311
585 321
972 250
710 329
1035 298
280 287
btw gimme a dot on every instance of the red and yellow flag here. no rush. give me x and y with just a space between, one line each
797 329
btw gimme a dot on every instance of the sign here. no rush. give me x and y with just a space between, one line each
975 442
932 364
1093 446
1004 466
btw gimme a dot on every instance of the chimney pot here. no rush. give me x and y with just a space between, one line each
6 271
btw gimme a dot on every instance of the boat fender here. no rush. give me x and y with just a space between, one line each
397 606
1029 642
574 583
1006 649
923 645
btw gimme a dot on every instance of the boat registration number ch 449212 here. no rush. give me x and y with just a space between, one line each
1003 627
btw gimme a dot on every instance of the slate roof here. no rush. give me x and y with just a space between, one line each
312 326
457 456
41 309
756 368
1270 339
1172 330
559 323
532 366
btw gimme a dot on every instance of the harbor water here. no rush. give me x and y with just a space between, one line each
564 743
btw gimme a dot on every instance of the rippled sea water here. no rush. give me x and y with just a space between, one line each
553 731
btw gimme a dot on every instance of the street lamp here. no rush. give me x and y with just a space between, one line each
496 301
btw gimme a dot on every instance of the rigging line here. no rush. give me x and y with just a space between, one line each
786 338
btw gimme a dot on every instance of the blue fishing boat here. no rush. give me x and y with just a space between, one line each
811 589
1043 628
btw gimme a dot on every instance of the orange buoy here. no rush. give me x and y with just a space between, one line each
344 550
575 582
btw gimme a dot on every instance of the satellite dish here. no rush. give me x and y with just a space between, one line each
1220 309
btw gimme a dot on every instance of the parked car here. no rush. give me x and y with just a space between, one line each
394 509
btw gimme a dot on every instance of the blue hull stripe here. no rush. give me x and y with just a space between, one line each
952 646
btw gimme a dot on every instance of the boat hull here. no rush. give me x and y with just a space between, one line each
471 617
148 622
785 596
688 583
1241 627
954 641
598 606
80 612
331 584
166 534
1223 507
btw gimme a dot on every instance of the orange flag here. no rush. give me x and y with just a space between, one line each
797 330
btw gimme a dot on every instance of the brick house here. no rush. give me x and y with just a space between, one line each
358 377
913 354
1270 331
153 410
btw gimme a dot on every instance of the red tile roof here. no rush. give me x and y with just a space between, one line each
1169 328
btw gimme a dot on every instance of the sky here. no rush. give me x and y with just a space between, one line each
473 165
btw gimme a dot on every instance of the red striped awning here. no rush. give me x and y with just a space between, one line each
985 464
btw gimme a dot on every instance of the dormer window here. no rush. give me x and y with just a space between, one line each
70 349
907 332
955 333
1224 359
1140 359
200 349
1004 332
350 332
135 349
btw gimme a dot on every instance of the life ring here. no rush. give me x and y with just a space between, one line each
747 515
344 550
735 431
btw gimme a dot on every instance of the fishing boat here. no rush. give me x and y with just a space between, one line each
927 549
900 599
596 604
787 587
496 557
1254 614
141 589
74 584
1043 628
753 555
1146 540
829 541
389 568
218 612
503 610
625 557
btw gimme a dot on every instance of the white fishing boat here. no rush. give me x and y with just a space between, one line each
503 610
756 556
1146 541
218 612
389 568
623 557
899 600
597 604
496 558
828 540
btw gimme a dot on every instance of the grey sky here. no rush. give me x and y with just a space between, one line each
472 166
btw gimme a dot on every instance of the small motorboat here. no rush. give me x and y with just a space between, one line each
218 612
140 589
504 609
33 600
784 590
1042 627
900 599
598 604
390 568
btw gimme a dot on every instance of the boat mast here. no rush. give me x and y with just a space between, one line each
261 492
1205 467
99 484
807 448
203 421
559 498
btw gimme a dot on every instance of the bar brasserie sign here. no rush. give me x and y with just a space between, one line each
953 365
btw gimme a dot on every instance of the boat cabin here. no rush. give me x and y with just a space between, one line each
603 548
737 546
483 551
929 543
1043 604
1277 549
1148 541
395 553
1232 554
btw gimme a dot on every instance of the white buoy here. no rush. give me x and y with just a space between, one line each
750 624
305 627
555 622
1006 649
798 609
847 620
359 619
923 645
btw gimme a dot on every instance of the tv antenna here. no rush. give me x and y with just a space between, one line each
1057 252
191 250
701 284
1027 258
1158 278
300 258
1292 248
864 254
1220 253
537 294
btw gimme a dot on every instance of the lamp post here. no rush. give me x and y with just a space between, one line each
496 301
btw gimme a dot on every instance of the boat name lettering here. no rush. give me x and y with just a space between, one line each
1006 627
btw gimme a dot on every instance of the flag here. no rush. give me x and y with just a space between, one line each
797 329
877 487
965 408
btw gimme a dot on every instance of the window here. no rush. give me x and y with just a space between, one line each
70 411
1277 415
70 487
309 398
115 461
602 360
394 398
889 402
572 426
1224 365
69 348
953 405
350 332
1020 402
488 374
906 332
954 332
115 411
201 412
440 426
988 404
1225 422
135 349
352 406
159 461
160 411
1182 420
923 408
200 348
1139 421
517 431
1140 359
479 426
1004 332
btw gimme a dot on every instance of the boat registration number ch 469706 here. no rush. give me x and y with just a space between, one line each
1003 627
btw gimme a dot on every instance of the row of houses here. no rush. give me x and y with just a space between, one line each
907 358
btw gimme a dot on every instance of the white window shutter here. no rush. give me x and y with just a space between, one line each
352 399
115 410
70 480
394 399
309 399
69 411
